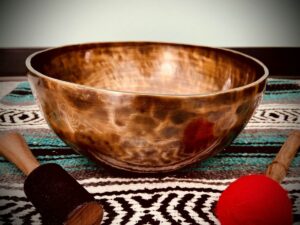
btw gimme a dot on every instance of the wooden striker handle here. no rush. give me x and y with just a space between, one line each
278 168
14 148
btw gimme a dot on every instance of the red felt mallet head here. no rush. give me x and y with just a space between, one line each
260 199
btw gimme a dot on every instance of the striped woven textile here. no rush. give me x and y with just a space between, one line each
187 196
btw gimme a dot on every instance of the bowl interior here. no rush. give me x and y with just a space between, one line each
152 68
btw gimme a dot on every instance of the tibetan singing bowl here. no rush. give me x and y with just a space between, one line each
145 106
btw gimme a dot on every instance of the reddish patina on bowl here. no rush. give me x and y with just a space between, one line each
144 106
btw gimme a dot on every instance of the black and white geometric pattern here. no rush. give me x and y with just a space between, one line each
14 117
138 201
275 116
135 201
172 202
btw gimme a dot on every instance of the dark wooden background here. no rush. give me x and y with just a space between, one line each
281 62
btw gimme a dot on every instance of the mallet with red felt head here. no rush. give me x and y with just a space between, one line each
57 196
259 199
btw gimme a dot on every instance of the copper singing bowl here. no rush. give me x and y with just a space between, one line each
144 106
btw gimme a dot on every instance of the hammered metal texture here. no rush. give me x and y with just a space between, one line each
146 107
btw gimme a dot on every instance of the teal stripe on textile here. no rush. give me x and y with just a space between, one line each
211 164
44 142
258 139
46 157
8 169
81 162
18 99
246 154
70 165
233 163
271 81
282 91
281 94
23 85
289 96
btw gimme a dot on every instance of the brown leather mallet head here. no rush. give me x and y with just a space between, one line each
57 196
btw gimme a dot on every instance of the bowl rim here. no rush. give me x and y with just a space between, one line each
34 72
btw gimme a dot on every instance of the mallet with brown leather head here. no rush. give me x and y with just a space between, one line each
57 196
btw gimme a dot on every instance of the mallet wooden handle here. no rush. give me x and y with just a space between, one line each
278 168
14 148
